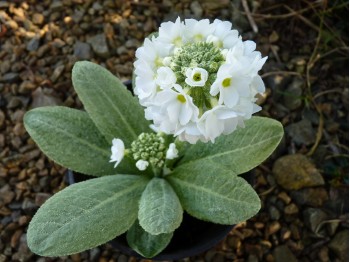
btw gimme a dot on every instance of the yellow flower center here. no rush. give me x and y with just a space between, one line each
226 82
181 98
197 77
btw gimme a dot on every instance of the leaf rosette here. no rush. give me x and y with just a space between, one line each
146 180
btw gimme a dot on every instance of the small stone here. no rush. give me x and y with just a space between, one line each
122 50
99 45
28 205
57 73
40 198
26 86
340 245
196 8
294 172
291 209
283 254
313 217
5 66
292 98
301 132
131 43
6 194
9 78
284 197
274 213
82 50
2 118
33 44
314 197
40 98
38 19
56 6
273 227
14 102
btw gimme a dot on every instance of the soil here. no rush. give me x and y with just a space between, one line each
303 186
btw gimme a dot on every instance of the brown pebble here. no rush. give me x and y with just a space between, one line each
23 220
274 227
291 209
284 197
40 198
15 237
37 19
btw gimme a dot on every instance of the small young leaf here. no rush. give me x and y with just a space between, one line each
144 243
240 151
70 138
85 215
116 113
214 194
160 209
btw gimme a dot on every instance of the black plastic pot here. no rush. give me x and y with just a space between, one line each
193 237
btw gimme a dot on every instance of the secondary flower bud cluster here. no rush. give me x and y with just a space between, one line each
198 79
147 149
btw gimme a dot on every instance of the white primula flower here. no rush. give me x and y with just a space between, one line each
231 84
197 31
172 33
196 76
217 121
223 36
172 152
118 151
198 80
172 108
142 165
165 77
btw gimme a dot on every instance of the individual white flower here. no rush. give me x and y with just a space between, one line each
172 33
145 86
165 77
172 152
197 31
118 151
196 76
231 84
190 133
153 52
223 35
142 165
217 121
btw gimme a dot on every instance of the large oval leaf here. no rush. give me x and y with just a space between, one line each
85 215
146 244
116 113
160 209
214 194
242 150
70 138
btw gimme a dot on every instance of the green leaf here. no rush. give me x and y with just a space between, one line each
240 151
214 194
115 112
85 215
160 209
144 243
71 139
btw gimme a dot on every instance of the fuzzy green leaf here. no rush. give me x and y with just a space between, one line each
71 139
144 243
85 215
214 194
116 113
240 151
160 209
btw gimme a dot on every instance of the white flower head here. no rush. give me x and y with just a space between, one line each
118 151
172 152
142 165
198 80
196 76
